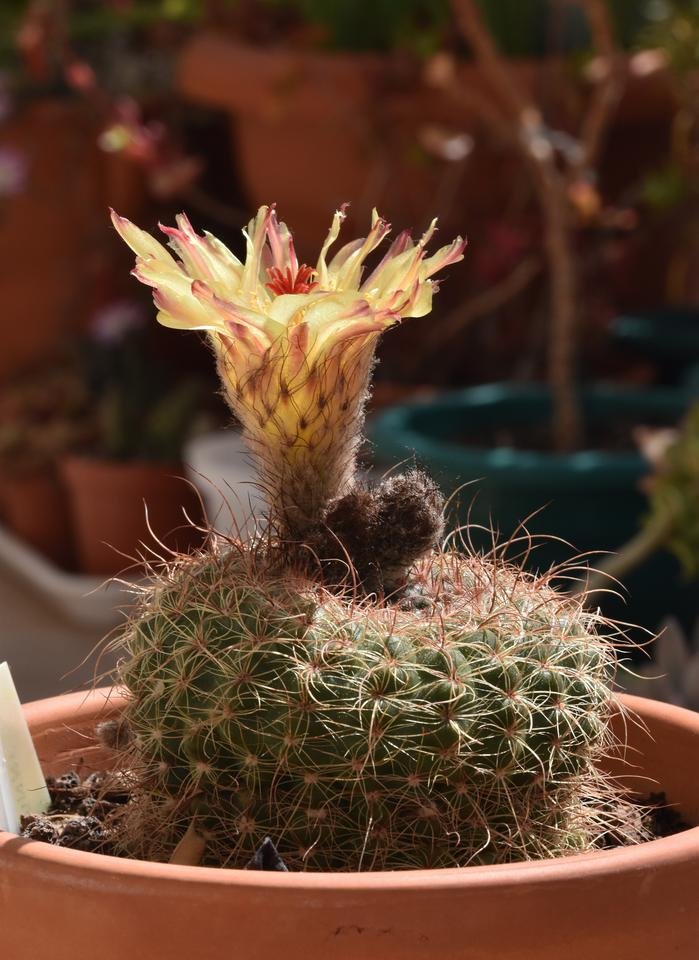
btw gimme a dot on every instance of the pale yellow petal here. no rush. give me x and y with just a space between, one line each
288 308
333 233
255 237
142 244
173 296
350 273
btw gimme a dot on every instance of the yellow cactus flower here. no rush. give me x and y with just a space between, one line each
294 343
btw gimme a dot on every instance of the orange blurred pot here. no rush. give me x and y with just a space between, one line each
115 506
49 228
314 128
34 506
624 904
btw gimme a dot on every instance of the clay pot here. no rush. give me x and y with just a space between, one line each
612 905
299 122
313 129
48 228
34 507
117 508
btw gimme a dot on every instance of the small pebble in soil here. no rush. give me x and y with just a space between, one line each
80 811
93 807
82 833
39 828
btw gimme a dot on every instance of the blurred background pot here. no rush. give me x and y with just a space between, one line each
668 337
590 498
34 507
51 221
299 121
115 506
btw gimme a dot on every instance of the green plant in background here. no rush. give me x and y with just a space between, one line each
521 28
674 29
36 30
673 494
141 414
384 25
341 683
672 521
43 416
671 192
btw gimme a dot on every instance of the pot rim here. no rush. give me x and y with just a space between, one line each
653 854
395 433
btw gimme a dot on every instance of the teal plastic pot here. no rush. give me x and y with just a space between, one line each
589 499
669 337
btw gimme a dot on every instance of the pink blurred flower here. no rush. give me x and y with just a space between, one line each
169 172
13 171
113 322
80 76
174 176
131 135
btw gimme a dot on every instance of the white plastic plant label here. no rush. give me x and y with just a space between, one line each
22 785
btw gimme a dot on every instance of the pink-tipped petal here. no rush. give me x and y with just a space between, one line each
142 244
333 233
400 244
190 248
231 313
451 253
255 238
281 245
350 272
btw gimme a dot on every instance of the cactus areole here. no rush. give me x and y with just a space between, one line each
343 684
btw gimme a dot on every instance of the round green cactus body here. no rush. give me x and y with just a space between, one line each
461 728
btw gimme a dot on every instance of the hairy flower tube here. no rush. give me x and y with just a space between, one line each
294 344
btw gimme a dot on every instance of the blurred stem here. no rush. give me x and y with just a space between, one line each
553 172
633 554
567 416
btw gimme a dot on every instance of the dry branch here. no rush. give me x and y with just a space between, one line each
552 177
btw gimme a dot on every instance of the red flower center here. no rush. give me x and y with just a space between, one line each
284 281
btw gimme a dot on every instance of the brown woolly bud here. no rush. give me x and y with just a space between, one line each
343 542
409 522
373 536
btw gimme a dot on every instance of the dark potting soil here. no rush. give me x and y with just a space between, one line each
83 813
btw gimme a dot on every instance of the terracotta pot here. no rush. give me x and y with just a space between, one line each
34 507
115 506
299 121
313 129
623 904
48 228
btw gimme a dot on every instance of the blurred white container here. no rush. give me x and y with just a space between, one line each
53 621
673 675
219 465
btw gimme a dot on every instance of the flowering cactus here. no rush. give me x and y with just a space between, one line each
451 711
294 344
